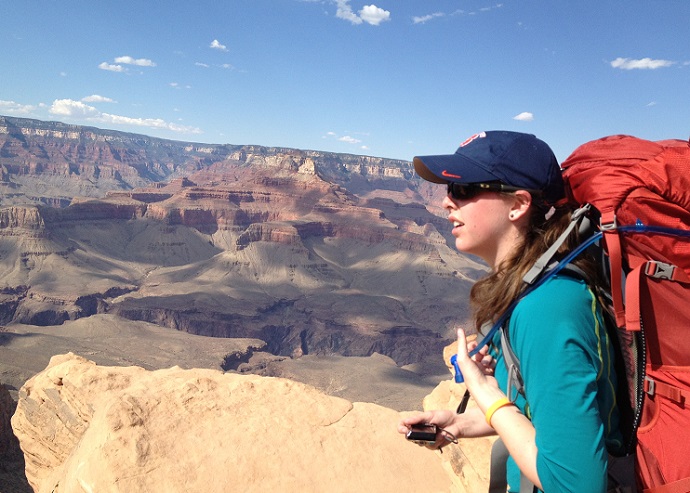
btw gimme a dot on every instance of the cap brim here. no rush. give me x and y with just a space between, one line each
451 168
424 172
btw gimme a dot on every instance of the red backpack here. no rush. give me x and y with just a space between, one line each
641 190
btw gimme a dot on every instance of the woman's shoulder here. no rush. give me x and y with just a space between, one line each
562 301
557 290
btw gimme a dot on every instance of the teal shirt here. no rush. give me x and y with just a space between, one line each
566 361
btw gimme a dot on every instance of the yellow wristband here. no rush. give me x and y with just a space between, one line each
504 401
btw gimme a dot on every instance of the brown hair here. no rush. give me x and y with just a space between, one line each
492 295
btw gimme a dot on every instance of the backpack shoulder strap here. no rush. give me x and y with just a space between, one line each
515 382
578 220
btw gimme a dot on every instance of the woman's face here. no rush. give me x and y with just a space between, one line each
483 225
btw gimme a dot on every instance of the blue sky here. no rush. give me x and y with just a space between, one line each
392 78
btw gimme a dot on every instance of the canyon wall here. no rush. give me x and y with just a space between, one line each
312 252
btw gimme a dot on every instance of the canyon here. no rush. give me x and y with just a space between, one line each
333 270
310 252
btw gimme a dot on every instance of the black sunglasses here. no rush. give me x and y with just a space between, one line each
466 191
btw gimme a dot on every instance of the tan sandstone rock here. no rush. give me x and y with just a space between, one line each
87 428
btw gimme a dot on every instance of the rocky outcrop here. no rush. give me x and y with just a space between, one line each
88 428
26 218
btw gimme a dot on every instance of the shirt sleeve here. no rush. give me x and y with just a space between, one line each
555 333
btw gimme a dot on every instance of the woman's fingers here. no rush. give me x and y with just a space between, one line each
480 356
419 418
463 350
473 370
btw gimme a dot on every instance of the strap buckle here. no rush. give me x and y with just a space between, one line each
608 226
649 386
659 270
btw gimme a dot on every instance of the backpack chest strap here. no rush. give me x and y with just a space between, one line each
654 387
662 270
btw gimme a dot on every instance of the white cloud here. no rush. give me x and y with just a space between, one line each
147 122
140 62
642 63
345 12
71 108
127 60
216 45
425 18
525 116
96 98
348 139
12 108
226 66
371 14
421 19
110 67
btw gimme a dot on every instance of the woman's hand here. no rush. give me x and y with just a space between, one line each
444 420
477 372
482 356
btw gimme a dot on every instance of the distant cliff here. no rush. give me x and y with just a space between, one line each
51 162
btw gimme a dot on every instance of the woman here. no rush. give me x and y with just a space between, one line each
506 203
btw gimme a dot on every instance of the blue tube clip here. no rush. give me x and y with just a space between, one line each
458 374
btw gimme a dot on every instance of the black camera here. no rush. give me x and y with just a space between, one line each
422 433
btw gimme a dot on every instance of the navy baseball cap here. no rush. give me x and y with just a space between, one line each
512 158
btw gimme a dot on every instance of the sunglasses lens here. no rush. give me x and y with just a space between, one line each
461 192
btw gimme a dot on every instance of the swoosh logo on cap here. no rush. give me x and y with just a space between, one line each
450 175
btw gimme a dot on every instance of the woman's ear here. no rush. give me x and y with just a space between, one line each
522 200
